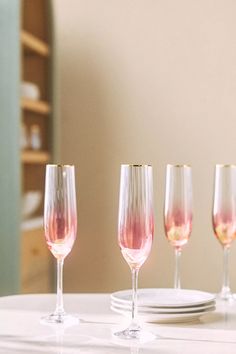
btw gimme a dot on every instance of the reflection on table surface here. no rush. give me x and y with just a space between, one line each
22 332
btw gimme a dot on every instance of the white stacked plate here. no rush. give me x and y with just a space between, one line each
165 305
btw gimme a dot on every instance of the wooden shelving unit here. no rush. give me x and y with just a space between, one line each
35 42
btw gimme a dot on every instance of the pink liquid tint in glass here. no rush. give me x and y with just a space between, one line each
178 227
225 228
60 233
135 241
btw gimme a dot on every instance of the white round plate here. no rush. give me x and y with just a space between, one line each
163 310
165 318
165 297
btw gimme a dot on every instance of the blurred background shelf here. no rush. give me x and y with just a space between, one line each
35 157
41 107
33 44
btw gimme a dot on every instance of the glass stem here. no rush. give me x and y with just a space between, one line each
226 269
59 305
134 321
177 272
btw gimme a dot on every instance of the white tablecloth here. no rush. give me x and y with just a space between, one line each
22 332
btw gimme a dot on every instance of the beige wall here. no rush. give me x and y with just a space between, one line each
151 81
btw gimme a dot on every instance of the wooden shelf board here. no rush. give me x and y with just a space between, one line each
35 106
34 44
37 157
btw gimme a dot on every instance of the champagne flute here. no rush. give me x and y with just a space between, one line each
135 231
60 226
178 210
224 217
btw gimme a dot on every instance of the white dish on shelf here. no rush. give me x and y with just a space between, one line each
32 224
31 201
30 90
165 298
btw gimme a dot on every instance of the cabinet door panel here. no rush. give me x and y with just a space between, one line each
36 261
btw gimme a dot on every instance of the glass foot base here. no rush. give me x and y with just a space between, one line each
129 334
61 318
136 334
226 295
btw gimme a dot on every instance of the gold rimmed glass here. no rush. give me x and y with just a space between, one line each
60 227
135 232
224 218
178 211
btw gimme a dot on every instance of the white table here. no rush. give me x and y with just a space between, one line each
22 332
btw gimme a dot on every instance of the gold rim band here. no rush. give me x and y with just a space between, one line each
226 165
136 165
59 165
183 166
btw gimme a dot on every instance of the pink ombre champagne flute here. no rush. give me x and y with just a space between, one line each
135 231
224 217
178 210
60 226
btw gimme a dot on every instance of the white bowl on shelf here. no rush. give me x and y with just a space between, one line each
30 90
31 201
